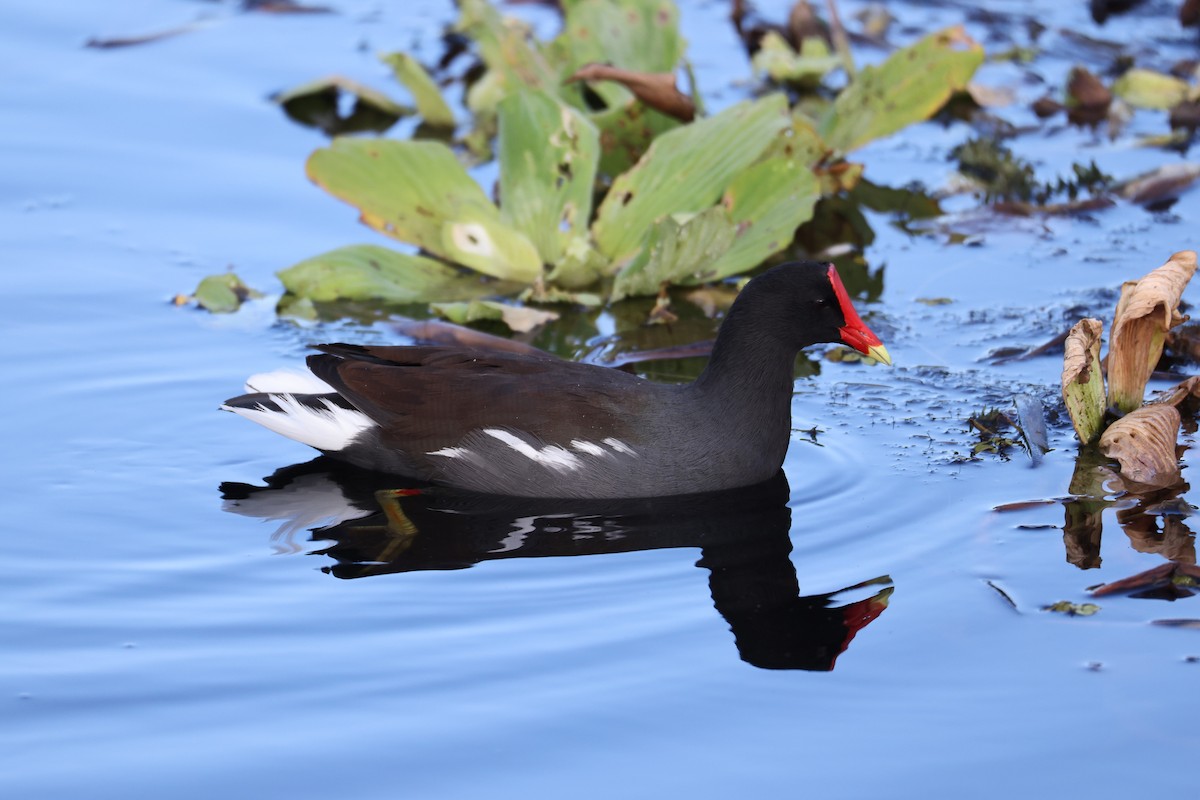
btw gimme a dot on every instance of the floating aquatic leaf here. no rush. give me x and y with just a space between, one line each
1082 381
519 318
910 86
626 131
319 104
782 64
686 170
548 154
1143 442
681 248
1148 308
766 203
637 35
991 96
1159 184
656 89
430 104
1187 388
417 192
223 294
1073 609
507 47
1088 100
1146 88
539 293
580 265
292 307
370 272
1157 578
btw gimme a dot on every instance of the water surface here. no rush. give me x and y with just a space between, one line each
156 643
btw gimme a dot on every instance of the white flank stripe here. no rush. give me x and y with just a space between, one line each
330 429
287 381
450 452
619 446
551 455
591 448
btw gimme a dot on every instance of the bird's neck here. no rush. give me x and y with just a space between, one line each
748 380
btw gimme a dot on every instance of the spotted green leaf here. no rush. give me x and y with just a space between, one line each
370 272
685 171
910 86
548 154
417 192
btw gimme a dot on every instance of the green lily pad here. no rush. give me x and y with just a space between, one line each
910 86
417 192
370 272
223 294
430 104
519 318
1146 88
548 154
685 170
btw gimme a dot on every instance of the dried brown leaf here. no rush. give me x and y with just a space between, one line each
1148 308
1179 392
991 96
655 89
1084 90
1143 442
1082 383
1160 184
1159 577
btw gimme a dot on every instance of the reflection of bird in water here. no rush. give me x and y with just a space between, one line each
742 534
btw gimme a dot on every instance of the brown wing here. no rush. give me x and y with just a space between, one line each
426 398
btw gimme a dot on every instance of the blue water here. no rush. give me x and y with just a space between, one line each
156 644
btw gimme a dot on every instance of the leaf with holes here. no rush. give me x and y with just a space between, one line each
681 248
910 86
418 192
548 154
685 171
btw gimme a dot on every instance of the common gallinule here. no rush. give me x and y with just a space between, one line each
538 426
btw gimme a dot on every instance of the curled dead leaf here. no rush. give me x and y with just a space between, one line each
655 89
1164 183
1179 392
1148 308
1082 383
1143 443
